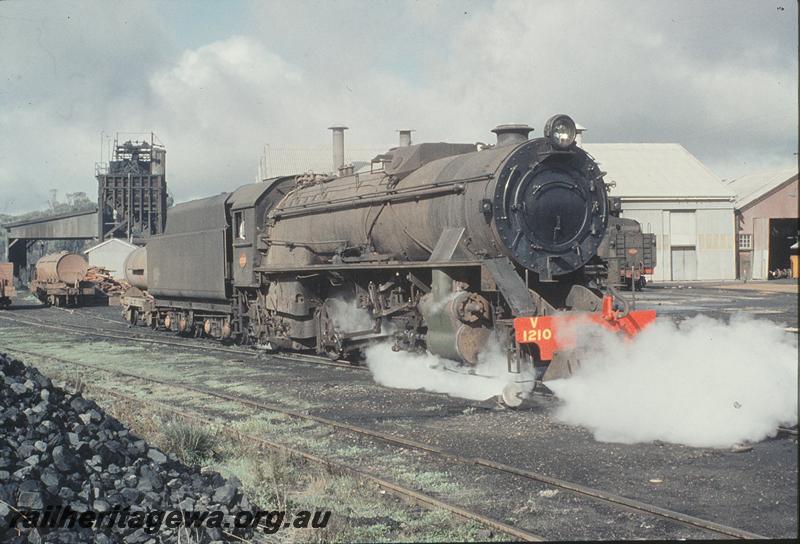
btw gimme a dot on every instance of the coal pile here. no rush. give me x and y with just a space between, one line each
58 449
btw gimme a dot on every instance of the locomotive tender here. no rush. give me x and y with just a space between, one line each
629 252
444 245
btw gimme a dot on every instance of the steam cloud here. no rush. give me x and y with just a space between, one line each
703 383
425 371
348 317
428 372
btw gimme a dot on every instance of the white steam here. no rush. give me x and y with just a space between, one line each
428 372
432 306
702 383
348 317
425 371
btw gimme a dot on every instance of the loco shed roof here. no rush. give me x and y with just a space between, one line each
750 188
657 171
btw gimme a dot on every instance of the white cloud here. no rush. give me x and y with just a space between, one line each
720 78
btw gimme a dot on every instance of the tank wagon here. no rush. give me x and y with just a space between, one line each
59 280
7 291
136 301
443 246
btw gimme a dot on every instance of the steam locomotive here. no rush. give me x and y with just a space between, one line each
444 246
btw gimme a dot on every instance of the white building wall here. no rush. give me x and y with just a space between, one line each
710 230
111 257
716 244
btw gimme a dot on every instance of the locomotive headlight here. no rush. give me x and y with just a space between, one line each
561 131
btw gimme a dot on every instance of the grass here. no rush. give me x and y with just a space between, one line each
191 443
361 512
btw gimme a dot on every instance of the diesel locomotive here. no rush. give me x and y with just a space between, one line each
445 247
629 252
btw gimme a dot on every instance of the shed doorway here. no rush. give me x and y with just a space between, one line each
684 263
782 234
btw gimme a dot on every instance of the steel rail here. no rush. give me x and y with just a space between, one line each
74 311
596 494
155 338
151 339
397 490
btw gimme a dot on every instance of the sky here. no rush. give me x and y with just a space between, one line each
216 81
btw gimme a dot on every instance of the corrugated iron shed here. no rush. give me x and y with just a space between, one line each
752 187
111 241
657 171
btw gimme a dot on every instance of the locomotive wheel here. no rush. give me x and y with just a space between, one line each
184 326
512 395
332 353
328 340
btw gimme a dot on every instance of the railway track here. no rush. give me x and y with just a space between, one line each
397 490
156 337
597 495
400 491
186 343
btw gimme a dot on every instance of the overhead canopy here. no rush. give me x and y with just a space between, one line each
76 225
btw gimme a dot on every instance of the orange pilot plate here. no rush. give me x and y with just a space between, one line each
544 330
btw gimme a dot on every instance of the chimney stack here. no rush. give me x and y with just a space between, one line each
338 146
511 134
405 137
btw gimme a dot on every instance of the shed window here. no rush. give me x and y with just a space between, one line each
238 221
745 241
